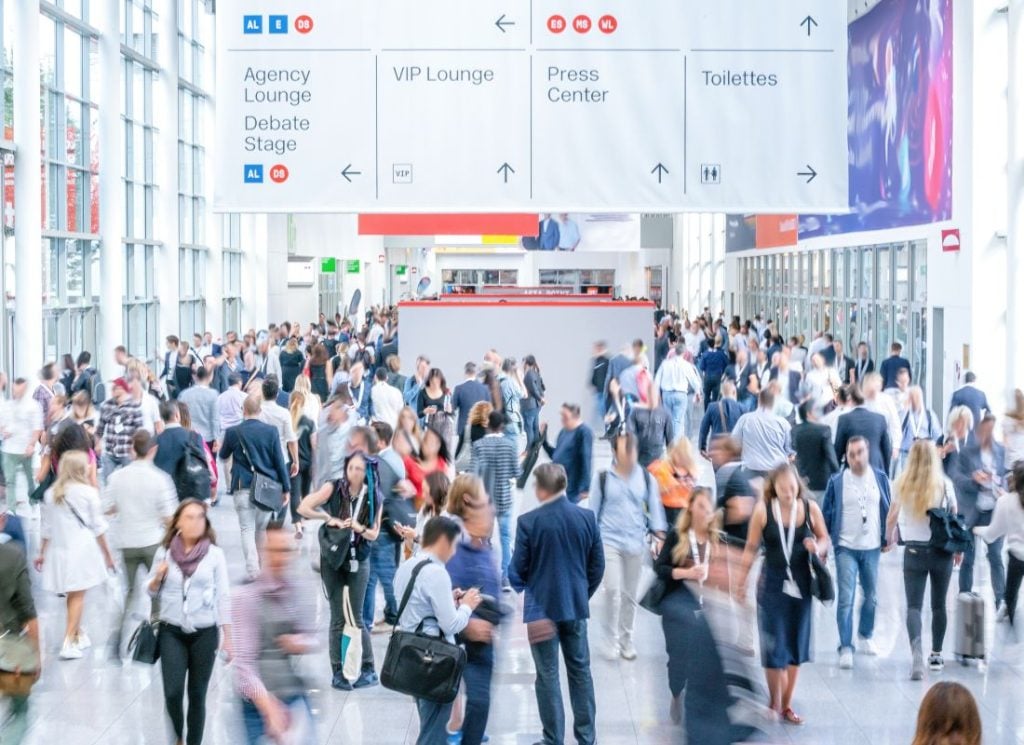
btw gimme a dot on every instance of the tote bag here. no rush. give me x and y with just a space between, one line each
351 641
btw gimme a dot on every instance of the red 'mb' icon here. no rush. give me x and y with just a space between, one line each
607 24
556 24
581 24
279 173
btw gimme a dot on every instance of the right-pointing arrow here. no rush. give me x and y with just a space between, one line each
810 173
660 170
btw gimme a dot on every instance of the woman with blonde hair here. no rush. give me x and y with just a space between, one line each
312 406
921 487
959 425
1013 430
478 420
676 475
74 555
409 423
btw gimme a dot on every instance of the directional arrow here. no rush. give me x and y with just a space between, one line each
809 22
810 173
660 170
506 169
501 23
348 173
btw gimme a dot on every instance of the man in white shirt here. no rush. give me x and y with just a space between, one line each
201 400
280 418
386 400
21 426
679 383
229 403
142 516
764 437
855 508
693 337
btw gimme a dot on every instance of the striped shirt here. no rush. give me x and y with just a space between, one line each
118 424
496 462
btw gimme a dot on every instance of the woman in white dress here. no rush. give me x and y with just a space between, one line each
74 556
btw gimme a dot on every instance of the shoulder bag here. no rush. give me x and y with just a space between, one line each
950 533
264 493
420 665
335 542
822 586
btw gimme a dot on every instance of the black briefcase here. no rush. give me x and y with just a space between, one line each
419 665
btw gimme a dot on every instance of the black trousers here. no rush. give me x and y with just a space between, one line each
187 656
1014 575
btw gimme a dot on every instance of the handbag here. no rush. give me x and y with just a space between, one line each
822 586
144 646
351 641
420 665
651 600
949 531
37 495
335 542
264 493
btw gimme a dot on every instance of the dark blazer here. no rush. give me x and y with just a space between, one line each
558 561
871 426
572 451
171 446
973 399
264 447
815 455
465 396
967 489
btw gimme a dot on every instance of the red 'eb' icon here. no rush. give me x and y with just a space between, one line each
303 24
556 24
607 24
581 24
279 173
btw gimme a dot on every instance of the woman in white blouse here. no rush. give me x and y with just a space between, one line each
1013 430
74 556
190 574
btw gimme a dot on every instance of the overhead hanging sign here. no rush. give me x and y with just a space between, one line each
542 106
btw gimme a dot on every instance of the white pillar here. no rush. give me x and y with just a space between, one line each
28 274
213 283
112 261
165 170
1015 194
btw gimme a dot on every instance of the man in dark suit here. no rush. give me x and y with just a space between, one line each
173 441
559 562
740 374
980 476
465 395
253 447
843 363
867 424
972 397
893 364
816 459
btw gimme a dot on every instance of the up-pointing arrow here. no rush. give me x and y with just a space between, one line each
808 22
660 170
505 169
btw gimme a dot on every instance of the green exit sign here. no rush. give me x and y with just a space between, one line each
352 266
401 269
329 266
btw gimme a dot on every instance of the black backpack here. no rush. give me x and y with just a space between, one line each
97 390
192 475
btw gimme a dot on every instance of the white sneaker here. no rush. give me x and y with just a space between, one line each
846 659
82 641
628 652
612 652
1003 614
70 651
867 647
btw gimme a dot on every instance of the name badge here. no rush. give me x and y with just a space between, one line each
353 565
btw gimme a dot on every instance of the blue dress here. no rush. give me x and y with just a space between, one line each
784 621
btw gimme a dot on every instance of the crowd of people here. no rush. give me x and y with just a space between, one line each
415 487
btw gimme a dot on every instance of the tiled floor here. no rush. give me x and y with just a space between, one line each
91 701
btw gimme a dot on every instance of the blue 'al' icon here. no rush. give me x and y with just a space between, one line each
253 173
252 24
278 24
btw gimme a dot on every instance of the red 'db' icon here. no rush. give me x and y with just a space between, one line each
556 24
279 173
581 24
303 24
607 24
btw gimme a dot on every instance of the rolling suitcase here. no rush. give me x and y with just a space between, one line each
970 627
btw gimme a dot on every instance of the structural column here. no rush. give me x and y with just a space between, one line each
112 256
165 167
28 273
1015 194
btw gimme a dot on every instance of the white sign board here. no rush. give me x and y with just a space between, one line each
542 105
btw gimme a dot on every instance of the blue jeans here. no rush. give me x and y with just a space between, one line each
253 720
678 405
505 534
531 425
433 721
850 565
109 464
571 636
383 564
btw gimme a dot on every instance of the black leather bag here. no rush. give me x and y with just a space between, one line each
419 665
334 545
949 531
144 645
651 600
822 586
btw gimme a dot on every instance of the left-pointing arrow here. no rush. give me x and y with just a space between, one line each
348 173
501 23
505 169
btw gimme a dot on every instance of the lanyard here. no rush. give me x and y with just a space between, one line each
862 500
695 555
787 540
915 422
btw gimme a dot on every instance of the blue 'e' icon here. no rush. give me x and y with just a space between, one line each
252 24
253 173
278 24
